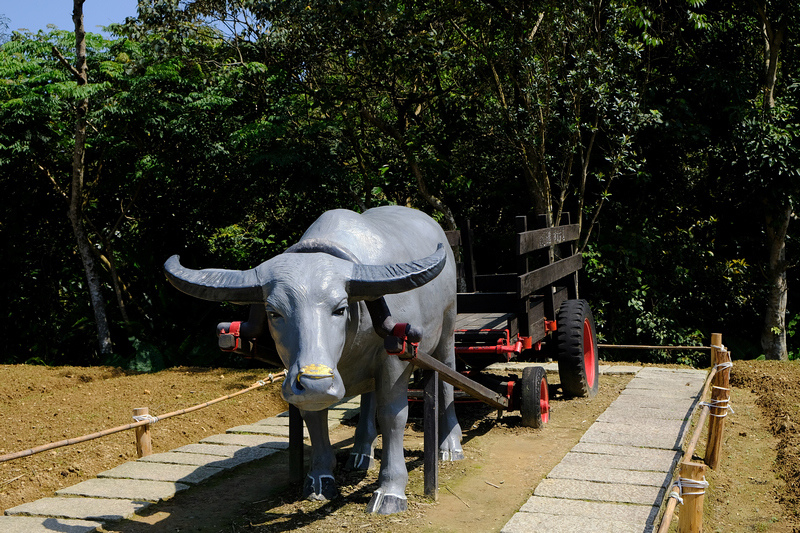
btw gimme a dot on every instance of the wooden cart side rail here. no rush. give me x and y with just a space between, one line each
532 292
530 241
453 237
548 275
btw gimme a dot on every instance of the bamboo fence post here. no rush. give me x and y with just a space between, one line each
144 445
690 517
720 400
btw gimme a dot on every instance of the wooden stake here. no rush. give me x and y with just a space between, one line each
716 343
720 399
144 445
690 518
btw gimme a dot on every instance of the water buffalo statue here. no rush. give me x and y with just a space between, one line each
325 298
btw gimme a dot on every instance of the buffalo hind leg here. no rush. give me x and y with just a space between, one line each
449 429
362 456
319 484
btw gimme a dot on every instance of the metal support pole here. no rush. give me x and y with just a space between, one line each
430 380
296 466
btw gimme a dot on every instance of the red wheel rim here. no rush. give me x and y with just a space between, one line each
544 401
589 354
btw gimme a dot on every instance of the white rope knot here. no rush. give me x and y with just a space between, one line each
675 494
724 404
678 492
149 418
724 365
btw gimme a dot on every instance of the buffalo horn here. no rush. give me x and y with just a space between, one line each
372 281
217 285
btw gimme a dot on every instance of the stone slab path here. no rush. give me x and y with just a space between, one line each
613 480
118 493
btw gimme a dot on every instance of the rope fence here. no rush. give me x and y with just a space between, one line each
142 422
648 347
690 486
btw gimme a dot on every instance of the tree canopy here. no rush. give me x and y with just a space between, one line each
219 129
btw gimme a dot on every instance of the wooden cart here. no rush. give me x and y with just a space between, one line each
529 315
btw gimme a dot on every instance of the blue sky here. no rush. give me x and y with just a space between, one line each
37 14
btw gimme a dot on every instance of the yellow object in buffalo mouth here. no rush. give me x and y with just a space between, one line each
316 372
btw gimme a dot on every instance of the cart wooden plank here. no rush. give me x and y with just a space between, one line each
533 281
530 241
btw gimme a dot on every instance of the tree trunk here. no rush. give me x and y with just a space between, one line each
773 337
773 33
76 192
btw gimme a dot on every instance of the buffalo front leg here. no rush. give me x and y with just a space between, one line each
362 456
319 483
392 414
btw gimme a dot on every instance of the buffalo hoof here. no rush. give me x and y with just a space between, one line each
386 503
321 488
451 455
359 461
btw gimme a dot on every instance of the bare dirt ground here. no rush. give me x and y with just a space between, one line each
757 487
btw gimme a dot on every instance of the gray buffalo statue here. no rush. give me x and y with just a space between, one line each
325 298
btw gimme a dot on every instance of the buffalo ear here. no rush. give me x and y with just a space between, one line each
217 285
370 282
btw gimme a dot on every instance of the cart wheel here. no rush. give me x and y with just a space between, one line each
535 397
578 365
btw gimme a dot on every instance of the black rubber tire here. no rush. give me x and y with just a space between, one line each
576 341
534 397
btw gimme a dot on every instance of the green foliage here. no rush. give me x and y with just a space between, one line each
224 145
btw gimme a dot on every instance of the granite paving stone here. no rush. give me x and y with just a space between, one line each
101 509
635 452
660 393
237 439
643 416
679 382
653 404
573 489
668 442
544 523
660 427
221 450
645 514
188 474
38 524
281 431
126 489
334 420
246 455
621 462
608 475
